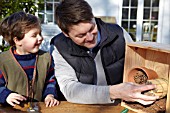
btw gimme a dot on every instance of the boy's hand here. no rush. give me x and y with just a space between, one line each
51 101
14 99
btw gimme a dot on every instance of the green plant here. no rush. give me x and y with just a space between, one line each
3 47
8 7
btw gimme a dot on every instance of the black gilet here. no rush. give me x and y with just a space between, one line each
112 48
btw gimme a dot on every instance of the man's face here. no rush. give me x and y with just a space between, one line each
84 34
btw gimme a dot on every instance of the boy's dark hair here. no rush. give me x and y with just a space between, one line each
72 12
16 25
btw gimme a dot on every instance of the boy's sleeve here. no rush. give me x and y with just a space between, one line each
4 92
50 83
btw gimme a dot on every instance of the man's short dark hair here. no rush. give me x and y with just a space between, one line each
72 12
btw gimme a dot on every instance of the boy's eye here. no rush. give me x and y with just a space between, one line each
33 35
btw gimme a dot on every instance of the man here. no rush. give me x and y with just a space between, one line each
89 58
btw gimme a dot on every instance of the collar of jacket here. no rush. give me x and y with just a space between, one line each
107 31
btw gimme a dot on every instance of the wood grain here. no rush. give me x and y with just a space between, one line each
66 107
152 55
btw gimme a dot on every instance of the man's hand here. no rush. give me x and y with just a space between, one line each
51 101
132 92
14 99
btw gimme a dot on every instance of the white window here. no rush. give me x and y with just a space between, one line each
46 11
129 16
150 20
140 18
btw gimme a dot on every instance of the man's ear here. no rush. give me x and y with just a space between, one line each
65 34
17 42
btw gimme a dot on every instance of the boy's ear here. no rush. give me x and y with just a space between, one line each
17 42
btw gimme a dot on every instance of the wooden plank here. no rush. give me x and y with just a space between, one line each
66 107
134 57
157 61
151 45
168 95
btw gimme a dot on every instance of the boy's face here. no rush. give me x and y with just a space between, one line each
84 34
30 43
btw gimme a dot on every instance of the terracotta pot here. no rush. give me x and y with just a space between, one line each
140 75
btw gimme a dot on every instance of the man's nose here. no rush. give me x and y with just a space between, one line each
89 36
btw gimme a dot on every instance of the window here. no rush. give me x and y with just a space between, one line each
129 16
150 20
140 18
46 11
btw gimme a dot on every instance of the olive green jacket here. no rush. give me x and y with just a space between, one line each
16 78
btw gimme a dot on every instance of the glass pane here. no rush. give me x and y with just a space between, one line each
147 3
133 13
134 3
155 3
125 24
155 24
154 28
146 31
41 17
154 34
133 36
146 27
146 14
132 26
125 13
125 2
154 15
49 6
49 17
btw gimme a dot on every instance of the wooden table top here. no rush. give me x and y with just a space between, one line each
66 107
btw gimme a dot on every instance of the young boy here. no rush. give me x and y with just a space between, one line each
26 73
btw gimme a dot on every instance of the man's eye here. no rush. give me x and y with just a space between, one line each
81 36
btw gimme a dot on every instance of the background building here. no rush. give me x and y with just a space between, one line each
144 20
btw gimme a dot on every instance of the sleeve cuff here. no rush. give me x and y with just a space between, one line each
50 90
4 94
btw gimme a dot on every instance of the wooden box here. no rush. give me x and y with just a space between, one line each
152 55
